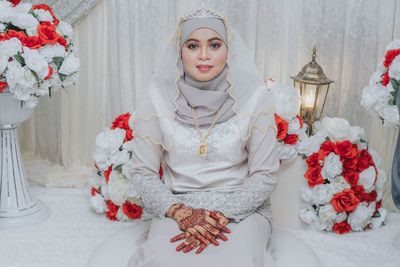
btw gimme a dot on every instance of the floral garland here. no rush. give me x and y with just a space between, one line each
379 96
344 177
289 124
110 192
36 51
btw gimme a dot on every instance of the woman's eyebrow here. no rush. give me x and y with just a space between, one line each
209 40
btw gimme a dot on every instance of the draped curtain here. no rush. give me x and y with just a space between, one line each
119 42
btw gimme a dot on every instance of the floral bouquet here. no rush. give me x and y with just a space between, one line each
287 119
36 51
110 191
380 95
345 179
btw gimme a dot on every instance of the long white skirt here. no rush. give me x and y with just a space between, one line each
246 246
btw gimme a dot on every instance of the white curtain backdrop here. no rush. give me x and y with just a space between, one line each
120 40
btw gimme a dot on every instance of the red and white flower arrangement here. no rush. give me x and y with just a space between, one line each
37 55
345 179
379 96
110 191
289 124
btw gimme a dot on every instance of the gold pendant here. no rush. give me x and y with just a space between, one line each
203 149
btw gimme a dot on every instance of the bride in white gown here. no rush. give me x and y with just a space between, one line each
208 117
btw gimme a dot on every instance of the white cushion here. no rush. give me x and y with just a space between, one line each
116 251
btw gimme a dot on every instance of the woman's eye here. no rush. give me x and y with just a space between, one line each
215 45
191 46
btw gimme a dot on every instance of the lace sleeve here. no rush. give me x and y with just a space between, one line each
263 162
142 171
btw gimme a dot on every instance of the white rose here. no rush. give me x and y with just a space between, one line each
272 86
110 140
43 15
2 27
376 77
312 144
327 215
308 214
380 183
98 203
50 51
390 114
14 74
23 8
119 157
337 129
3 63
32 101
368 99
10 48
36 62
101 159
367 179
70 65
23 83
321 194
294 126
339 184
65 29
7 13
104 190
361 216
31 31
395 44
71 80
129 145
117 187
288 102
378 221
332 167
25 21
340 217
307 195
287 152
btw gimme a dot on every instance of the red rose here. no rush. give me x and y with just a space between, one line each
363 196
364 161
107 173
346 149
300 121
326 148
345 201
47 34
161 171
132 210
313 161
93 191
111 213
291 139
16 34
351 177
47 8
350 163
4 37
32 42
313 176
14 2
122 121
341 228
282 126
61 40
3 86
385 79
379 204
389 57
50 73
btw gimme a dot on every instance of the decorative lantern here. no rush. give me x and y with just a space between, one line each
313 86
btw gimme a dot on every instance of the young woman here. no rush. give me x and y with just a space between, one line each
209 117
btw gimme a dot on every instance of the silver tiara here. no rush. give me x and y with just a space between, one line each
203 12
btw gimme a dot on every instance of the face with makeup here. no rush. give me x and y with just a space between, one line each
204 54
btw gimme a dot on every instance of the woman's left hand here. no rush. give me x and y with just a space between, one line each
192 242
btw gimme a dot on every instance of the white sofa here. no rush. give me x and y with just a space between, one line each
287 250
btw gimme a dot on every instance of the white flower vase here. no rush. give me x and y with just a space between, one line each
17 205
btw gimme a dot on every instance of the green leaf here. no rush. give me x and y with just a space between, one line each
58 61
62 77
18 57
36 76
118 168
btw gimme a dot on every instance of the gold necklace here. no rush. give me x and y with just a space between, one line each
202 149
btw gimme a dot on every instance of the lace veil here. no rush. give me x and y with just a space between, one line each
253 105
